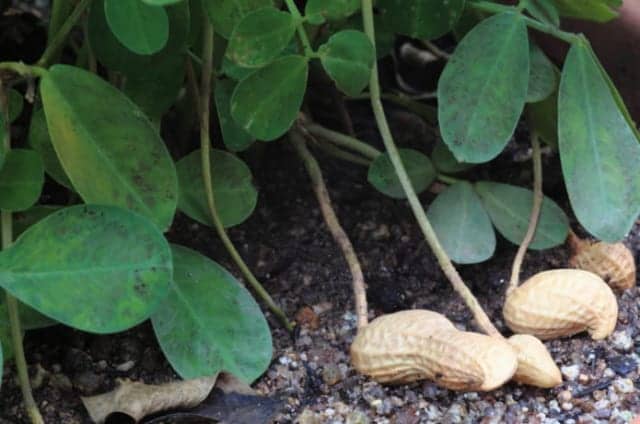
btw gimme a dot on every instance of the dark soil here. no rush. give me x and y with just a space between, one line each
287 244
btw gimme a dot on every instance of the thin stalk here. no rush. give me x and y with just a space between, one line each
426 112
304 39
486 6
535 214
12 303
448 179
60 10
338 233
342 140
436 50
23 69
58 40
335 151
449 270
205 147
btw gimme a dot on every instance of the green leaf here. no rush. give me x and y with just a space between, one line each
30 319
543 118
233 191
332 10
483 88
142 28
210 323
544 10
40 141
96 268
422 18
347 57
152 81
383 177
462 224
542 75
21 180
225 14
161 2
260 37
101 136
444 161
267 102
593 10
598 149
510 209
235 138
25 219
234 71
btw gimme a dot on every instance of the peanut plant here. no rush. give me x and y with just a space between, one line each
111 71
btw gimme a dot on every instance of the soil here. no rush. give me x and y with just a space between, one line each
287 244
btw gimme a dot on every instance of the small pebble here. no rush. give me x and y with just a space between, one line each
608 373
621 341
125 366
583 379
571 372
567 406
622 365
564 396
307 317
623 385
357 417
331 374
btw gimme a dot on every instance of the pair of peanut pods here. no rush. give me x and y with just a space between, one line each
420 344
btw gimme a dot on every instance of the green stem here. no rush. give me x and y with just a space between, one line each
335 151
205 149
23 69
486 6
60 10
535 213
293 9
449 270
12 303
336 230
342 140
448 179
58 40
426 112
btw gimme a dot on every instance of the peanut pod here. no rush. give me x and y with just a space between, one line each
560 303
418 344
535 365
614 263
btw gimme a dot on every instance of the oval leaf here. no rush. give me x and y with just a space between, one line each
444 160
462 224
593 10
210 323
260 37
332 10
21 180
96 268
598 150
40 141
383 176
483 88
347 57
235 138
142 28
100 135
544 11
225 14
233 191
542 75
510 209
543 118
267 102
152 81
422 18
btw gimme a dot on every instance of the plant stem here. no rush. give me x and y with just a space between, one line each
535 213
205 149
342 140
335 151
58 40
436 50
426 112
443 259
59 12
447 179
12 303
338 233
293 9
23 69
486 6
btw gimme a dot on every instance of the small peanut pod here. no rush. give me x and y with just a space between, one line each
535 364
614 263
560 303
414 345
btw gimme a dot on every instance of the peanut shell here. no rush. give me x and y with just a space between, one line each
561 303
535 365
613 262
415 345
